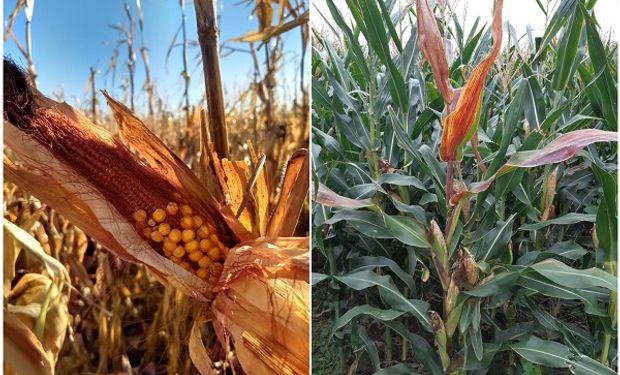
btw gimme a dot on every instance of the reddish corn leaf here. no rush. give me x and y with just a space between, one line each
563 148
431 45
328 197
458 124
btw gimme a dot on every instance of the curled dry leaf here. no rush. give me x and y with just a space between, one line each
459 125
284 218
32 293
273 31
328 197
22 350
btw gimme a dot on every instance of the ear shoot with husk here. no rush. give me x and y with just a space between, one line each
142 203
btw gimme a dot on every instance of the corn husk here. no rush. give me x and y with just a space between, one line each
264 305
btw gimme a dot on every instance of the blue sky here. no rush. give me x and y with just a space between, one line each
70 36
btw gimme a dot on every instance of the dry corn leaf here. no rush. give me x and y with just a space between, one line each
272 31
54 268
292 196
261 194
264 305
264 13
459 125
31 294
23 352
11 252
197 351
432 47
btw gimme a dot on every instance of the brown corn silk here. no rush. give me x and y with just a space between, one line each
458 122
432 47
98 181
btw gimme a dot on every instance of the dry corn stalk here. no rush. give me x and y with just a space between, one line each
141 202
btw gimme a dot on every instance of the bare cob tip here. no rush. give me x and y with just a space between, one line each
18 95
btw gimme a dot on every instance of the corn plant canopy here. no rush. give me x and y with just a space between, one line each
465 217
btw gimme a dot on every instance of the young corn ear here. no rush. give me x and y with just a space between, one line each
441 339
440 255
548 195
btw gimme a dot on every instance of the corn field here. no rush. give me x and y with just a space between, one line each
465 181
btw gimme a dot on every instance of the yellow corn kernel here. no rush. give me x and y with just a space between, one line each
159 215
186 265
172 208
203 273
195 256
213 238
164 229
221 246
205 261
216 269
205 245
214 253
139 216
192 246
151 222
179 252
169 246
174 235
188 235
186 210
197 221
187 222
175 259
156 236
146 232
203 232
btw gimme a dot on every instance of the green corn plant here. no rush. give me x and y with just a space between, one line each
464 209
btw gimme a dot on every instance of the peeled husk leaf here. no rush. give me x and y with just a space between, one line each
263 305
458 124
